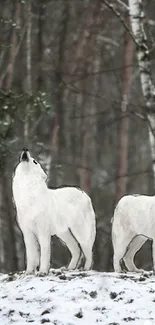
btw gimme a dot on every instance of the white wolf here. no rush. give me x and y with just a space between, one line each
133 223
42 212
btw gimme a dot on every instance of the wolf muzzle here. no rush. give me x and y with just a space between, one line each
24 156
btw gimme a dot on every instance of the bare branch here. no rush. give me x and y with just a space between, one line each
108 40
114 10
123 4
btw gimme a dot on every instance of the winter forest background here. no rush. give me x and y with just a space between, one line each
71 91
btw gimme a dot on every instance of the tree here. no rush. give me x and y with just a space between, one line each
123 125
137 18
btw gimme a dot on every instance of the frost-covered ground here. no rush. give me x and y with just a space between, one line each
83 298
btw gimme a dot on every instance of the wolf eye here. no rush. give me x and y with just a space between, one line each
35 162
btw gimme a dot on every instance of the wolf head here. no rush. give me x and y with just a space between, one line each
29 168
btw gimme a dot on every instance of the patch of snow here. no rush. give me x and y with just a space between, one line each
77 298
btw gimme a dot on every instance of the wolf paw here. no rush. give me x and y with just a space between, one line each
29 272
63 268
42 273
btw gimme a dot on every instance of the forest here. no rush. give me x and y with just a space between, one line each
77 88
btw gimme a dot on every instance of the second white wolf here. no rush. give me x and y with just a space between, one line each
43 212
133 224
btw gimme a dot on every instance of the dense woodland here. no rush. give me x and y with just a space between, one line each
70 91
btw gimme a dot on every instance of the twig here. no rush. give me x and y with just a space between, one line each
123 4
114 10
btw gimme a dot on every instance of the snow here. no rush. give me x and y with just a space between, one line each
77 298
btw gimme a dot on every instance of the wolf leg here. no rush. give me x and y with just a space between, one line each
134 246
32 252
45 248
73 247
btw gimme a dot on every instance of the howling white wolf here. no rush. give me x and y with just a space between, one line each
133 224
42 212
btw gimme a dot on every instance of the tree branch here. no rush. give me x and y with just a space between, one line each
114 10
123 4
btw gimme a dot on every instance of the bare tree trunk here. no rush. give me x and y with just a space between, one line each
56 128
123 126
41 18
137 18
78 68
89 152
8 260
13 48
28 67
8 73
87 31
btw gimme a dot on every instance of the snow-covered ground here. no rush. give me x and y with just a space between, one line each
77 298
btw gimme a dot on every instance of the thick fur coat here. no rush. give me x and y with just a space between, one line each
43 212
133 224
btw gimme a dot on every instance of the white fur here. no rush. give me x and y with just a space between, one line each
42 212
133 224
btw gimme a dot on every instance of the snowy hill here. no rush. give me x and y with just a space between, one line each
83 298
